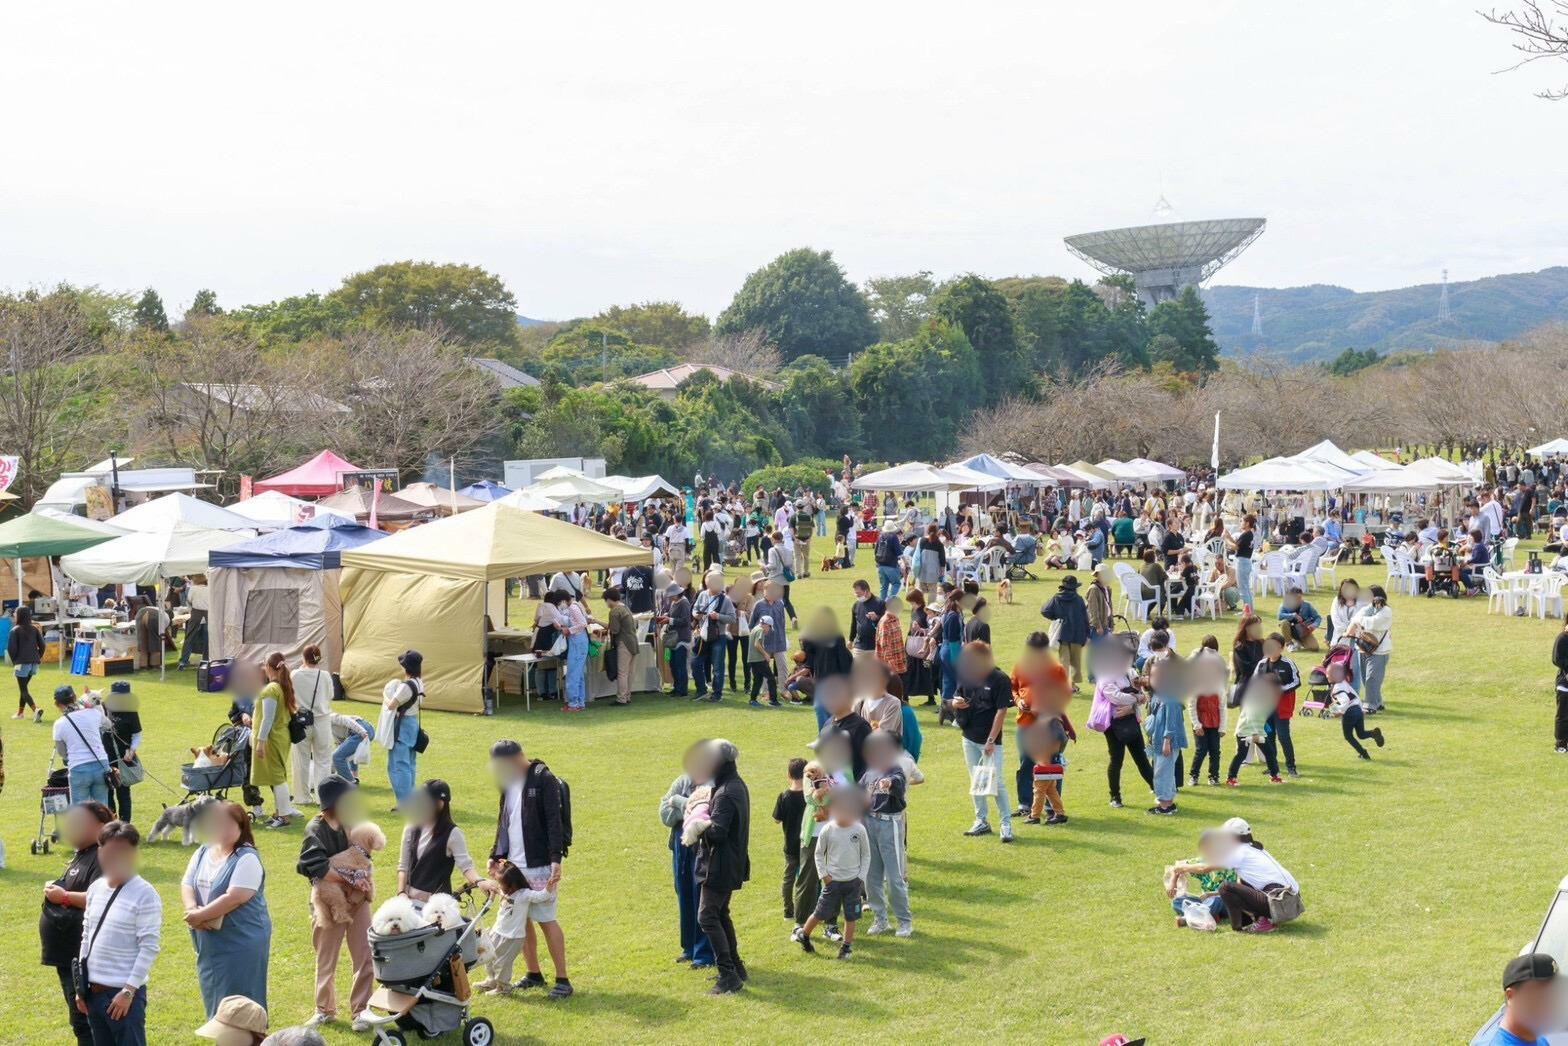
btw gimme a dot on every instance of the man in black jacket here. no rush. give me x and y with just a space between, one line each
863 618
724 865
530 833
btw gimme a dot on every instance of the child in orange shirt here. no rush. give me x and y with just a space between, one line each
1040 689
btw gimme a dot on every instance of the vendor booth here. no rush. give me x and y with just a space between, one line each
485 490
357 503
272 510
179 510
439 499
29 540
316 478
432 588
281 592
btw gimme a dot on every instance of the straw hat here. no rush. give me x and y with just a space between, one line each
237 1020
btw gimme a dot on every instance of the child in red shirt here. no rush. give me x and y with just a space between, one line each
1208 710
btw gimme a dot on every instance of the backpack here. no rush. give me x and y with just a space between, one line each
566 806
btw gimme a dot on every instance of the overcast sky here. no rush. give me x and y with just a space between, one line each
612 152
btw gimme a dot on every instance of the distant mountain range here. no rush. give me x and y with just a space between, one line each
526 321
1318 322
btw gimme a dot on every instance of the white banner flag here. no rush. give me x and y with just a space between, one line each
1214 454
8 470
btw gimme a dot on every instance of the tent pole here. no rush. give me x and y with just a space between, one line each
18 580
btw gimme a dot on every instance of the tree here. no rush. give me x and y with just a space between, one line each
45 396
294 319
473 306
914 393
413 397
205 303
590 352
625 424
149 312
900 304
983 314
1190 345
818 410
803 303
1540 31
749 352
1352 360
661 324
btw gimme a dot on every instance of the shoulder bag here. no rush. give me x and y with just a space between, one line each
1284 905
79 978
110 775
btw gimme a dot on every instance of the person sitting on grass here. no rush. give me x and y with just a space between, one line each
843 857
1184 885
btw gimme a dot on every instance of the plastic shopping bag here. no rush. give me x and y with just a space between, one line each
982 779
361 756
1198 916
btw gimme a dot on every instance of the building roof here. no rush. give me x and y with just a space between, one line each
508 376
252 397
667 378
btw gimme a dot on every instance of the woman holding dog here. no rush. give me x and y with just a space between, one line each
325 837
226 909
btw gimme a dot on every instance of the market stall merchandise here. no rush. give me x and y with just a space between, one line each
281 591
432 588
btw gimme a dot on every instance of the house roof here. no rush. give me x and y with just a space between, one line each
666 378
508 376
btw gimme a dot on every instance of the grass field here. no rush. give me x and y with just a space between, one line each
1422 871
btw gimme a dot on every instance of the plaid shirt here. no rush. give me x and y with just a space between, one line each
890 644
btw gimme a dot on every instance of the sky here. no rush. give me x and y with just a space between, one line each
612 152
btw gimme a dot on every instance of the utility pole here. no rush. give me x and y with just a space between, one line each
604 354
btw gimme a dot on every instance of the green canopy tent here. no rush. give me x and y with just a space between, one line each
36 534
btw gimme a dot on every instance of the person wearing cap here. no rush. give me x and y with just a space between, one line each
122 738
60 921
78 738
238 1021
1528 1004
1071 614
530 833
406 702
225 906
888 552
724 864
433 846
326 836
1258 874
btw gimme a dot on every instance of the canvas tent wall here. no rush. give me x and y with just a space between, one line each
281 592
428 588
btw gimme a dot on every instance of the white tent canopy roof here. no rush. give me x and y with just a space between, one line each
1158 469
1283 474
528 501
918 475
1088 479
1330 454
275 510
1393 481
575 487
146 557
992 466
641 488
1445 472
1556 446
162 514
1375 462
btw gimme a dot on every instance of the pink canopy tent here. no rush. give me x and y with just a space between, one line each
317 478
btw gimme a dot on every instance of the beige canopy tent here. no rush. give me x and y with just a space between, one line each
442 499
429 589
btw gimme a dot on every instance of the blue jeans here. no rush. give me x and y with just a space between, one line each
974 755
694 943
1215 906
948 652
1164 774
891 580
822 524
130 1030
887 865
577 670
87 783
678 681
1244 579
345 751
400 769
708 667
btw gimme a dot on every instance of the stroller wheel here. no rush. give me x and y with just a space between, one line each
46 846
392 1037
478 1032
33 846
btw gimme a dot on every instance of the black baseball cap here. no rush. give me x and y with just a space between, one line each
505 748
1534 966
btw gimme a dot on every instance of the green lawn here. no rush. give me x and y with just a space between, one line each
1422 871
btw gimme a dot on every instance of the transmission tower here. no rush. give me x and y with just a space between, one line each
1257 318
1442 301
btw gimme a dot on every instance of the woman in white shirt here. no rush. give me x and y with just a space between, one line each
226 909
1373 622
1258 874
78 737
312 758
1347 602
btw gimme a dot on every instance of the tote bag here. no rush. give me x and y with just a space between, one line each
386 724
982 779
1100 712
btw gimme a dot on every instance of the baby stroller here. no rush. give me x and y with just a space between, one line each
232 740
424 981
54 800
1317 679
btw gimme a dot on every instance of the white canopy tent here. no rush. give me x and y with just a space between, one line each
575 487
1087 479
275 510
981 480
528 501
1375 462
918 475
1393 481
1283 474
1122 472
996 467
1446 473
1157 469
147 557
641 488
163 514
1327 453
1550 448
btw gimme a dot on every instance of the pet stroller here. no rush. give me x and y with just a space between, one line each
232 740
1317 679
423 975
54 800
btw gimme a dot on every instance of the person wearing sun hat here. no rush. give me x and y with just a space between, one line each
238 1022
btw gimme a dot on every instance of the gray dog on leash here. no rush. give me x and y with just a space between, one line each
183 817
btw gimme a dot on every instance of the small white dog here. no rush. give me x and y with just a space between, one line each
396 915
484 947
442 910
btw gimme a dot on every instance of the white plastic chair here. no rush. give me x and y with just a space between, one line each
1216 547
1274 573
1510 549
994 564
1207 599
1546 591
1501 593
1324 573
1137 597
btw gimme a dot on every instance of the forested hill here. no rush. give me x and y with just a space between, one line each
1319 321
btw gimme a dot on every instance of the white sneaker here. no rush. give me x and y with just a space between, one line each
362 1022
318 1020
877 926
905 930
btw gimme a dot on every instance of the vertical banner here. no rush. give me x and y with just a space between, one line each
1214 453
247 485
375 501
8 468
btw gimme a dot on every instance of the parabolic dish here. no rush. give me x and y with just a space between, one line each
1206 245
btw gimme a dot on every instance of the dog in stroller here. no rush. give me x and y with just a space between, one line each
423 973
215 768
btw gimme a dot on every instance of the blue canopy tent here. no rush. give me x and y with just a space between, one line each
280 592
485 490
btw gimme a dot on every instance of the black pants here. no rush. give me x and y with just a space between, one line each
789 607
1282 740
737 647
1245 904
760 671
1562 718
84 1035
1354 725
711 554
1124 737
918 676
791 869
713 917
1206 744
1269 757
195 637
753 547
120 803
